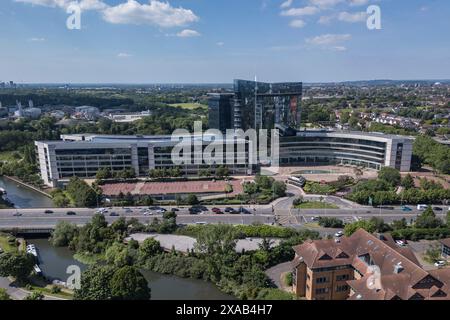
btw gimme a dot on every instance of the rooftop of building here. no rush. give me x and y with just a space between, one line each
445 242
400 274
166 188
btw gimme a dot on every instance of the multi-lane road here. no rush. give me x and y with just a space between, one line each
281 213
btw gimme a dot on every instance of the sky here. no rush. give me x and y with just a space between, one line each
216 41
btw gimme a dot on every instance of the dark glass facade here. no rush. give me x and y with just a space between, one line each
220 111
262 105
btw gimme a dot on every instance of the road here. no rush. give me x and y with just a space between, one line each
37 218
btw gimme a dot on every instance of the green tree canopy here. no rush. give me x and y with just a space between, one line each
128 283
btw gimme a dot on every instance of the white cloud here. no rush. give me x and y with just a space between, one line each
64 4
358 2
124 55
325 19
157 13
325 3
286 4
297 23
352 17
305 11
36 39
330 41
188 33
220 43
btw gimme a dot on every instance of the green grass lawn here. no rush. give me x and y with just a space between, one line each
189 106
316 205
4 244
88 259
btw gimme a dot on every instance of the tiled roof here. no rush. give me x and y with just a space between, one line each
400 274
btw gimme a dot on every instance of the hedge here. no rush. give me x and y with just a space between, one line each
415 234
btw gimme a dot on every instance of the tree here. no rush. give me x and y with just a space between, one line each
428 220
330 222
149 248
192 200
222 172
63 234
448 219
103 174
390 175
81 193
217 244
351 228
120 255
399 224
128 283
4 295
17 265
35 296
279 189
408 182
95 284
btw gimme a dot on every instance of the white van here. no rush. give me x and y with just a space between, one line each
422 207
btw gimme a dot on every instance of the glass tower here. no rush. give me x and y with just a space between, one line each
261 105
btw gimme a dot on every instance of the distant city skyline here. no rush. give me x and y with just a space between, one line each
202 41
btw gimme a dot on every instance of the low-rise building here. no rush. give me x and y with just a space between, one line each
364 267
445 246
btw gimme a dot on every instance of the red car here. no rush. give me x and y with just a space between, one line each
216 211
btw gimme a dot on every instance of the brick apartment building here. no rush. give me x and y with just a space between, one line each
364 267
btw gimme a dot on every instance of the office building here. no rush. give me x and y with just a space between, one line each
364 267
259 105
370 150
83 155
221 108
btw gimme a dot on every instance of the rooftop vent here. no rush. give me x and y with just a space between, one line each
398 268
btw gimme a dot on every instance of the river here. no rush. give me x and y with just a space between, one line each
23 197
54 262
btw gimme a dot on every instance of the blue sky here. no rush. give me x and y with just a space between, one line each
200 41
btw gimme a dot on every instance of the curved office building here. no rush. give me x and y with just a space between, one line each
372 150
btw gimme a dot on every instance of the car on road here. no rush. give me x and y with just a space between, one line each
194 210
17 214
231 210
339 234
216 211
174 209
128 210
114 214
438 209
422 207
406 209
439 264
71 213
244 211
48 212
315 219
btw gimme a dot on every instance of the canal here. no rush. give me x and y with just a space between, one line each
54 262
23 197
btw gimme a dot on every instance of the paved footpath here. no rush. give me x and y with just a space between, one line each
19 293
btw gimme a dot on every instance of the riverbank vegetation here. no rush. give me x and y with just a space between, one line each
213 259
